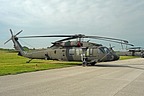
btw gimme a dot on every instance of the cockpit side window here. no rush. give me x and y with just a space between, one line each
104 50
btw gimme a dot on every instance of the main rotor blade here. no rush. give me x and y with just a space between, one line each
135 48
121 41
46 36
115 41
69 38
106 38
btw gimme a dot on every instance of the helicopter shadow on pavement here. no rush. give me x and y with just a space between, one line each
53 62
123 66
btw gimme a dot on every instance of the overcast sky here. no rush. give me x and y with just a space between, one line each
113 18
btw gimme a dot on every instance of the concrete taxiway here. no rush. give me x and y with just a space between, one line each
118 78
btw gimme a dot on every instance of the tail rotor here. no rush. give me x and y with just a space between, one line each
12 35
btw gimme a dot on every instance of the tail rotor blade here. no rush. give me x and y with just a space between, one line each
18 33
11 32
10 38
7 41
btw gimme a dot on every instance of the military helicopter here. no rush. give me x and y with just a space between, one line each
66 50
134 51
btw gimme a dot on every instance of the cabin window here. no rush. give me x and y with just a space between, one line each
89 52
55 51
78 51
71 51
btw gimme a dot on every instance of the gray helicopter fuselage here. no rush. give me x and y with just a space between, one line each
93 53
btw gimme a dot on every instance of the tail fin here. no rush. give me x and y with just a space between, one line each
17 45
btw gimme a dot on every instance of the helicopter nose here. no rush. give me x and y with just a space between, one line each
110 57
116 57
113 57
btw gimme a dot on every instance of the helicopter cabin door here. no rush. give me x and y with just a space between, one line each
78 54
74 54
70 54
